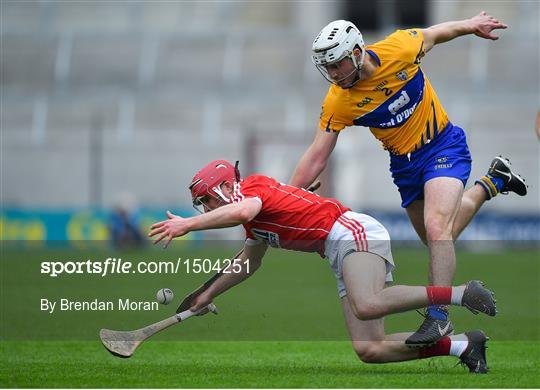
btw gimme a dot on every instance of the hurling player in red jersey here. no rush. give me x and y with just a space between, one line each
356 245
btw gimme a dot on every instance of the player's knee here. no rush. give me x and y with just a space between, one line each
438 228
368 351
366 310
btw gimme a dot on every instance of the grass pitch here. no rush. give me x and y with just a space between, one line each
281 328
320 364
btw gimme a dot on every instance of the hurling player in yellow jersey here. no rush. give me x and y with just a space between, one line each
382 87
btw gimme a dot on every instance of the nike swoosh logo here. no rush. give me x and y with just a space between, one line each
504 173
442 331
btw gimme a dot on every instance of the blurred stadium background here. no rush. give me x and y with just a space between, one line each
119 103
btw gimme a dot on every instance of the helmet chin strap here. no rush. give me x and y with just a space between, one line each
359 65
220 193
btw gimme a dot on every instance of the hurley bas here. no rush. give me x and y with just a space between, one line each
64 304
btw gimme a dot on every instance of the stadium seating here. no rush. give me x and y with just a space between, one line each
170 86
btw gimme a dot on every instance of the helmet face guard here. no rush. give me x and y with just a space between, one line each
201 202
357 68
337 41
206 184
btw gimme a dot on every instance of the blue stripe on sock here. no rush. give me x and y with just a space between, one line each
486 188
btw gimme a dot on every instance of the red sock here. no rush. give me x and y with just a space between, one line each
438 295
441 348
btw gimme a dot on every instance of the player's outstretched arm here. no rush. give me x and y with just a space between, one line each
314 159
230 215
249 261
480 25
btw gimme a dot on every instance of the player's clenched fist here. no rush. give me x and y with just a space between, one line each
201 302
173 227
483 24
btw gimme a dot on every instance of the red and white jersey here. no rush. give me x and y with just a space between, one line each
291 217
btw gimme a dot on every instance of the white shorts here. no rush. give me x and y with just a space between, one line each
354 232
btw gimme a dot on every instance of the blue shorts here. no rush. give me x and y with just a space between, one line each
447 155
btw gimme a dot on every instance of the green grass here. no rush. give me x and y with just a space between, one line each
270 331
252 364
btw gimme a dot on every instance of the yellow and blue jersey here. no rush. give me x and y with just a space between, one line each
397 102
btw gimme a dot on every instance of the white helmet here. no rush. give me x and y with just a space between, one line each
336 41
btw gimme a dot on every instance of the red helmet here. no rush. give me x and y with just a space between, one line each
208 181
